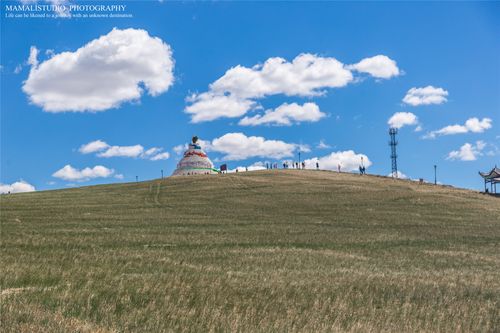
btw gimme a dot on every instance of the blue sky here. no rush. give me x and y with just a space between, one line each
452 47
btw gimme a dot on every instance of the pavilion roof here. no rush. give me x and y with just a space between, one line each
493 175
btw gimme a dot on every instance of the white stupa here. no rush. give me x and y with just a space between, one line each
194 162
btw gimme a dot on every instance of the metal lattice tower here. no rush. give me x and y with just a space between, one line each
394 156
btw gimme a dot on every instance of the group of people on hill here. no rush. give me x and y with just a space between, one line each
302 165
294 165
289 165
271 166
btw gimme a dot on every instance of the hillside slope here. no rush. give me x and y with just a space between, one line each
260 251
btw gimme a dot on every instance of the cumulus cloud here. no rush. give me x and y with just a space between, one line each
33 58
478 126
122 151
179 149
104 73
400 119
473 125
72 174
16 187
348 161
210 106
468 152
379 66
307 75
103 149
152 151
160 157
398 174
92 147
303 148
425 96
238 146
286 115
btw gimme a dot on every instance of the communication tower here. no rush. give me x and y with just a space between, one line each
394 156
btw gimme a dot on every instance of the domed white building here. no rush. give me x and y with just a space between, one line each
194 162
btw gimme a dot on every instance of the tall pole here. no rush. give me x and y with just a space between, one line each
161 173
136 179
435 174
299 158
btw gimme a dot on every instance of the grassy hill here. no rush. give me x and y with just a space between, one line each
306 251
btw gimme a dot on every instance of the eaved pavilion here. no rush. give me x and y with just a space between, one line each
492 177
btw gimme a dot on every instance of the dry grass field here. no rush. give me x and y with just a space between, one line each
269 251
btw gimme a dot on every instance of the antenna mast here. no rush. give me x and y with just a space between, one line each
393 143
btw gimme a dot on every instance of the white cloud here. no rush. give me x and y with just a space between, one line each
306 75
33 58
204 144
379 66
468 152
323 145
179 149
400 119
303 148
478 126
348 161
233 94
425 96
473 125
209 106
238 146
152 151
92 147
399 175
286 115
102 74
160 157
136 151
71 174
122 151
16 187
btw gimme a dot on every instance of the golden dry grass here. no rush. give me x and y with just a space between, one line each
295 251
